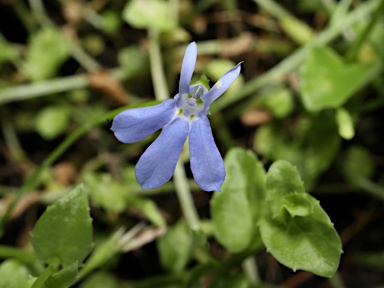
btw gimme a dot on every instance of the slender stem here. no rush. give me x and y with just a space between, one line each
157 72
355 47
51 269
184 194
51 86
340 12
251 271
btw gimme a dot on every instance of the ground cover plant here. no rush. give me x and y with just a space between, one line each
180 143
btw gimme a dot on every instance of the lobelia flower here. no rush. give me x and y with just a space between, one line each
185 114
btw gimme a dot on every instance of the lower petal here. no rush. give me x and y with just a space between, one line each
157 164
206 162
135 124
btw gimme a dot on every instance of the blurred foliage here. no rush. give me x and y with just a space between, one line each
302 124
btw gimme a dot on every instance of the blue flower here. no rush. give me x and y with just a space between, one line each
184 115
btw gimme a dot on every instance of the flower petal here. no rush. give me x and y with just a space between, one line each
206 162
187 68
135 124
156 165
222 85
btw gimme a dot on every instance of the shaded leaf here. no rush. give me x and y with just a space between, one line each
327 82
236 210
64 230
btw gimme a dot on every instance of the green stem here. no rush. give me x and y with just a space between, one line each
251 271
355 47
340 11
51 86
21 255
292 62
185 198
157 72
51 269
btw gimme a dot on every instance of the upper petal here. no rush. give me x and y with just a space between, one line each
156 165
187 68
135 124
206 162
222 85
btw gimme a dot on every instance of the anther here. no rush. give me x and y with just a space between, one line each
197 91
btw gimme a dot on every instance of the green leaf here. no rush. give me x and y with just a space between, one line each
64 278
52 121
300 235
101 280
327 82
175 247
282 180
149 14
298 204
64 230
14 275
47 50
236 210
345 123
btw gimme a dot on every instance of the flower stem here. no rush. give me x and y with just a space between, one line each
185 198
250 270
157 72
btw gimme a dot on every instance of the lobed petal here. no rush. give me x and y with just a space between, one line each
206 163
187 68
135 124
157 164
222 85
